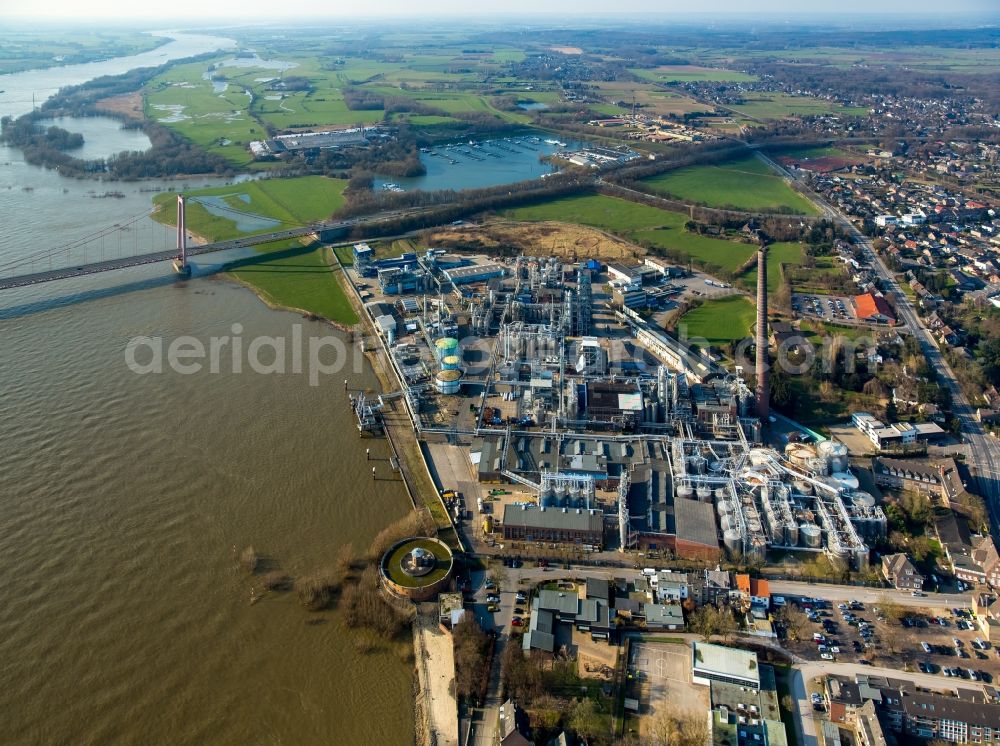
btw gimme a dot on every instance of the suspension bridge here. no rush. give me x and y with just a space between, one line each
122 245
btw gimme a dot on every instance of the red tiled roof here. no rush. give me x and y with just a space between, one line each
868 305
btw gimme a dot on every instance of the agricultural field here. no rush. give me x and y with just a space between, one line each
687 73
649 99
720 320
30 50
227 101
781 105
744 184
648 226
276 203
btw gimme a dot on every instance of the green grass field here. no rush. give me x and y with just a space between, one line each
778 254
659 229
292 275
721 320
285 273
292 202
744 184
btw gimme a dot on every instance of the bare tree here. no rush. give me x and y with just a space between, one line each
671 726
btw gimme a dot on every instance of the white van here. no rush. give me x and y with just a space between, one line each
926 647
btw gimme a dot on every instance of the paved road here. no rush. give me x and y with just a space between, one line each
985 449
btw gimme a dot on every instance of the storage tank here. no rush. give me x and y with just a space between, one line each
839 549
479 504
452 362
731 540
759 456
863 500
560 494
812 536
727 522
835 453
725 507
685 491
720 494
800 455
696 465
446 347
715 467
847 480
488 525
448 381
802 487
792 534
818 465
704 493
545 498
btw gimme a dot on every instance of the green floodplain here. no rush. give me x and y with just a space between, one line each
293 273
34 50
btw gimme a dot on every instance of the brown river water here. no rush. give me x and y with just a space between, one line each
124 617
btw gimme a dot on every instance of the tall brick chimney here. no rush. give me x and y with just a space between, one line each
763 391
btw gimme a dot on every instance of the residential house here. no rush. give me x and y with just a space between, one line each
899 571
512 728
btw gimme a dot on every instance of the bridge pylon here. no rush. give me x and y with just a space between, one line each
181 265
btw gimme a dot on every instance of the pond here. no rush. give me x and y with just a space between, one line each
482 163
102 136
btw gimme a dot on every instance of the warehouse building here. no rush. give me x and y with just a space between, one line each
571 525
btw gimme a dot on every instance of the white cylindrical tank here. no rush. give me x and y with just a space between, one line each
448 381
835 453
704 493
720 494
812 536
725 507
731 540
802 487
685 491
792 534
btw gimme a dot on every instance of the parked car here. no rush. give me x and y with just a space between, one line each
517 622
826 656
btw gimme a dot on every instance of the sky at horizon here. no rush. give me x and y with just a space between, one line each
249 11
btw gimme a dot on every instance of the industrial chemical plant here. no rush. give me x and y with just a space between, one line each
597 428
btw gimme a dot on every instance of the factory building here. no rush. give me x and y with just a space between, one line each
474 273
571 525
613 403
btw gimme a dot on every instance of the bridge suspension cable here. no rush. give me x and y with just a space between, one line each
101 233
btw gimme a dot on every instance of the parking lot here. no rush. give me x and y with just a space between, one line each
831 308
942 642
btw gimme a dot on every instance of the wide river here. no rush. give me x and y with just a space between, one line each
122 497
